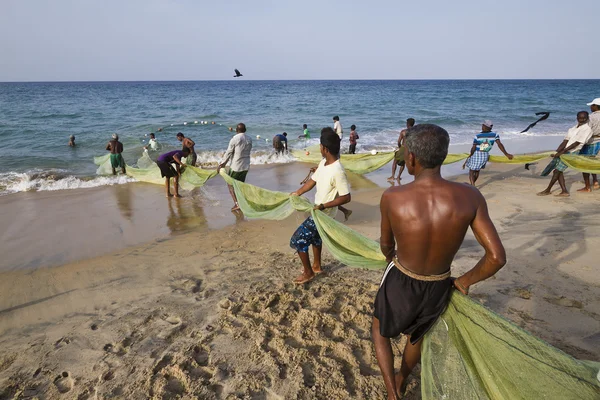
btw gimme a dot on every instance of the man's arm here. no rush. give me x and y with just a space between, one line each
495 256
228 154
338 201
108 147
502 149
305 188
387 242
401 138
566 150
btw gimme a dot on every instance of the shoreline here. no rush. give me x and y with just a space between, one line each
213 313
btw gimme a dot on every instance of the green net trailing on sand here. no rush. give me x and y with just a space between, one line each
471 352
358 163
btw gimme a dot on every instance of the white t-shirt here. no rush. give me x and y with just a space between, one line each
153 144
337 127
580 134
331 182
595 125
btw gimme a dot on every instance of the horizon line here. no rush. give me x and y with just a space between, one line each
305 80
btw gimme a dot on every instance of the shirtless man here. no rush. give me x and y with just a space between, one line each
399 155
189 143
423 225
116 159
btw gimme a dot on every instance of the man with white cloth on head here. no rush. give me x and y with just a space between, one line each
592 147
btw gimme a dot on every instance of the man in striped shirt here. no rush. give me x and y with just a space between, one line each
480 152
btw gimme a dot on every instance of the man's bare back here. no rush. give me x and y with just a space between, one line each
429 219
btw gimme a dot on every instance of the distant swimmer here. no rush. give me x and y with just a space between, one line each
189 144
239 149
544 115
72 140
423 225
576 138
353 138
152 143
333 190
480 152
337 127
399 154
280 143
305 132
237 73
116 158
165 163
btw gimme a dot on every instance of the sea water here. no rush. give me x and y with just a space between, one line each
36 119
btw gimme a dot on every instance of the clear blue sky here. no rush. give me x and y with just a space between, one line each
72 40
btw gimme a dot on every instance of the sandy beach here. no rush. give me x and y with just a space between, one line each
211 313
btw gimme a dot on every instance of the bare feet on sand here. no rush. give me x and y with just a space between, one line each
596 186
401 383
235 208
544 193
562 194
347 215
317 269
169 195
302 279
584 189
391 178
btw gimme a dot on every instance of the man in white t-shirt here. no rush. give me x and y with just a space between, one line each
592 147
337 127
576 137
333 191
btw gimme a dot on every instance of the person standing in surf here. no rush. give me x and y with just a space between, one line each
239 149
333 191
189 143
480 152
353 138
116 158
399 154
423 225
337 127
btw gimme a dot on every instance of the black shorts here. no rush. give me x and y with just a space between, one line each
407 305
352 149
238 175
166 169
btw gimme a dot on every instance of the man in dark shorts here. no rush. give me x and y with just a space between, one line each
423 224
189 144
399 154
116 159
280 143
239 149
167 171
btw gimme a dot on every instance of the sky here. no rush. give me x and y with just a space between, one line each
139 40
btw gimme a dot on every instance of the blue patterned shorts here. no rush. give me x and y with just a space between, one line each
590 149
306 235
478 160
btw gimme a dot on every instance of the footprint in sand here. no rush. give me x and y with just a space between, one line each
64 382
565 302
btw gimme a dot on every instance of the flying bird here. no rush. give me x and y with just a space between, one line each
545 115
237 73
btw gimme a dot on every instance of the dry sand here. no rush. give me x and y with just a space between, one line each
213 315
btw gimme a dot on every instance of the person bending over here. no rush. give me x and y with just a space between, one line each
423 224
165 162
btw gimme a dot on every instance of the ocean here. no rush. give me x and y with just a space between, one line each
36 119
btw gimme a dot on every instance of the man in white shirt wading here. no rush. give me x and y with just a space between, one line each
576 137
238 150
337 127
333 190
592 147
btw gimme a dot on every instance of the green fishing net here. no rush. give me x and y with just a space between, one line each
471 352
358 163
591 165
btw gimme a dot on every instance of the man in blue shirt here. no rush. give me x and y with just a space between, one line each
280 143
480 152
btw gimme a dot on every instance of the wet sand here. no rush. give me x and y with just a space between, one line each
212 313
